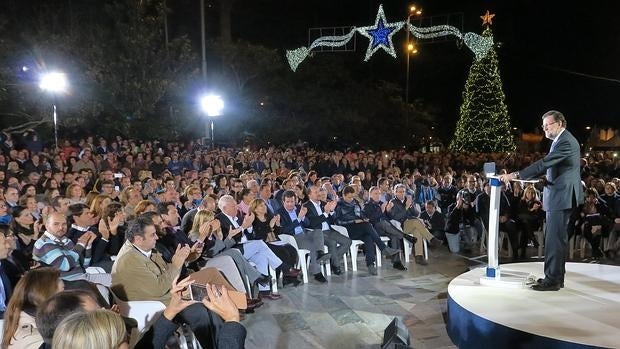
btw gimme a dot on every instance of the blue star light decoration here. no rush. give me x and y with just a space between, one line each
380 34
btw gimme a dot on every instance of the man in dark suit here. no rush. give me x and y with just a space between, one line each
291 223
318 217
264 193
82 221
562 193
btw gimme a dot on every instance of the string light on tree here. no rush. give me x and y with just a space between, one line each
484 123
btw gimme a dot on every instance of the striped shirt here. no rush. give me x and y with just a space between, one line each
69 258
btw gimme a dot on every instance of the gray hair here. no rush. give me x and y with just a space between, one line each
225 199
557 117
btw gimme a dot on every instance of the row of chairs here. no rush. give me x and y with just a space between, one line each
353 251
147 312
579 243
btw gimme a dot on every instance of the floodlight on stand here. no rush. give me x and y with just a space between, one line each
53 82
212 105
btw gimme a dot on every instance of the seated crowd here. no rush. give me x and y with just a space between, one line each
94 223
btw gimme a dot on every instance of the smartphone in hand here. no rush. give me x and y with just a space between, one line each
198 292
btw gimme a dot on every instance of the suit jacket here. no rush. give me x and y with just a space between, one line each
188 220
437 221
275 205
226 224
400 213
102 250
313 219
348 212
287 226
563 189
374 212
135 277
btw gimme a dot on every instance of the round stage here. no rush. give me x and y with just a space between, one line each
584 314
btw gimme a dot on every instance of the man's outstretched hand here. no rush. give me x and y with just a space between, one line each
508 177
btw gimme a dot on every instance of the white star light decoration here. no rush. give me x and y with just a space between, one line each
380 35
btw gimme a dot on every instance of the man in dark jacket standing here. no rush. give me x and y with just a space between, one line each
562 193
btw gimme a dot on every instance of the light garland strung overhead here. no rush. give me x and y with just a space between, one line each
380 36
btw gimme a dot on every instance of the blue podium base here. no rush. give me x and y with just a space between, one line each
582 315
469 331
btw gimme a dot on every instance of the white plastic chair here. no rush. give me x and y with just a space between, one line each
274 280
502 236
540 237
583 244
355 244
327 266
103 289
407 245
301 253
385 239
572 244
144 312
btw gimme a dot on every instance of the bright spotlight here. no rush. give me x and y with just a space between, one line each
53 82
212 105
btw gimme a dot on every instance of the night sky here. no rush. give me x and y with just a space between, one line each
553 55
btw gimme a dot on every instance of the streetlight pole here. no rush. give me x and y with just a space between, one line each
212 135
203 37
55 126
410 49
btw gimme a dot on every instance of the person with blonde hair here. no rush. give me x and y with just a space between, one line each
98 204
34 288
90 197
130 198
99 329
206 229
144 206
191 198
75 193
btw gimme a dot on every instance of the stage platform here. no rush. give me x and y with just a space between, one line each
584 314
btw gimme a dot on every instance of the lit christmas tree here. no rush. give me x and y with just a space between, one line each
484 124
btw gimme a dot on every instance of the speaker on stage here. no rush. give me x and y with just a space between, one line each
396 335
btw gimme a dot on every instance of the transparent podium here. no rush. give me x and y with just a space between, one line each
496 275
